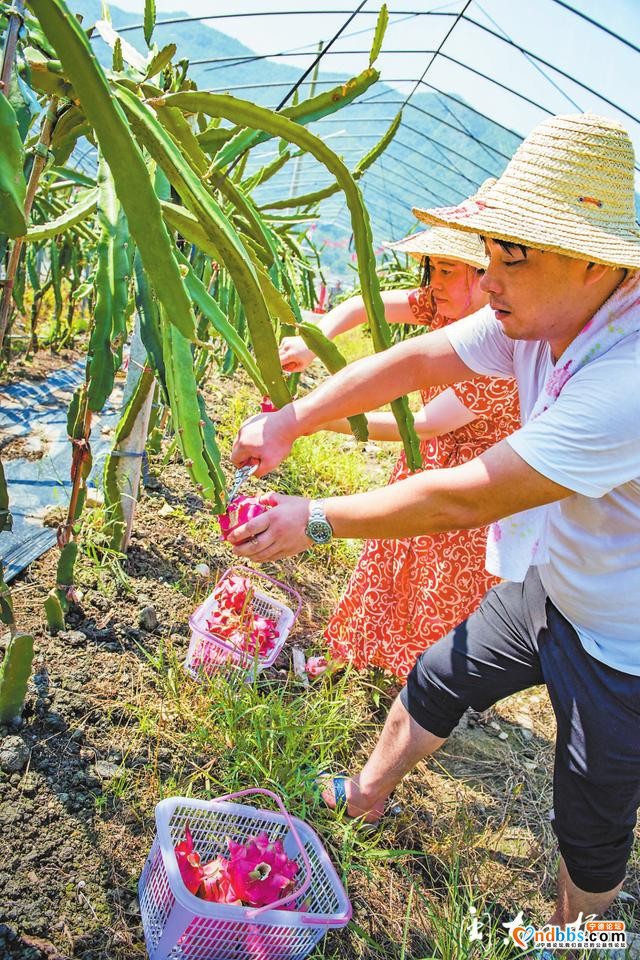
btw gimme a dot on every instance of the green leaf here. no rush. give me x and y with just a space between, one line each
124 157
378 37
149 19
118 60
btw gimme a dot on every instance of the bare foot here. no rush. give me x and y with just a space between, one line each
368 809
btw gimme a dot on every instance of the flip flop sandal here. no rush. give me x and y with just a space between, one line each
338 782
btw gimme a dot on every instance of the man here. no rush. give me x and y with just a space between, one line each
564 319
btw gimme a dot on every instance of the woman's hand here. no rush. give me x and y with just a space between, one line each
295 355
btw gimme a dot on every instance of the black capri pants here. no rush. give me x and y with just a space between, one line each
518 639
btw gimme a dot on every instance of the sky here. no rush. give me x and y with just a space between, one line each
541 26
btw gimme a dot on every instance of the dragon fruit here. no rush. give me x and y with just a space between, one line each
260 872
264 635
256 874
189 862
216 885
267 405
240 511
233 593
234 621
316 666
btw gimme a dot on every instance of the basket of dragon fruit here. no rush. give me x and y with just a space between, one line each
226 880
242 624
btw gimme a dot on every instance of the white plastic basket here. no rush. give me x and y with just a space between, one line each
208 653
180 926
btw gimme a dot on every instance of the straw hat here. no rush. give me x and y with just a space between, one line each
444 242
569 188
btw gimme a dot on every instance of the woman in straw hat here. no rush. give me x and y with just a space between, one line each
562 494
405 594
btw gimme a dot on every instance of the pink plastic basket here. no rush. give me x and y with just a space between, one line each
180 926
208 653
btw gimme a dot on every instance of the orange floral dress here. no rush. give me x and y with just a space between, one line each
406 594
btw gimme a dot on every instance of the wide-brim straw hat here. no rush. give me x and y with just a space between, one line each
444 242
569 188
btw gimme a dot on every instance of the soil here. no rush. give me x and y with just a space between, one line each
23 448
73 846
74 838
40 365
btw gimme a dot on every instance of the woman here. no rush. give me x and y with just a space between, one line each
406 594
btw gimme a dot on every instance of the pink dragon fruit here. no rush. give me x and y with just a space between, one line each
189 862
267 405
231 594
220 622
216 885
260 872
263 636
240 511
316 666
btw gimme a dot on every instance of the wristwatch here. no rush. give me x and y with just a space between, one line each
318 527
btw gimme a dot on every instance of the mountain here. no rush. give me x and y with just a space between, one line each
442 152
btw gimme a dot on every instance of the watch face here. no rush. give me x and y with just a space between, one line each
319 531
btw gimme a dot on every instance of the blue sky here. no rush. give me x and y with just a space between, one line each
541 26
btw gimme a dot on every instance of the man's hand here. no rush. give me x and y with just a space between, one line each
266 439
275 534
295 355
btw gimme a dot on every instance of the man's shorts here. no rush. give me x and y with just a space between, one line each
517 639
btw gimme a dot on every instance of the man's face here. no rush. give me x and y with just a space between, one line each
537 296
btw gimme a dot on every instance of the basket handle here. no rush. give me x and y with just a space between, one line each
305 859
283 586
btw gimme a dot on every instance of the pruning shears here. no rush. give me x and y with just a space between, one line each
242 474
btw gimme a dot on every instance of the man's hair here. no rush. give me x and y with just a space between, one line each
508 246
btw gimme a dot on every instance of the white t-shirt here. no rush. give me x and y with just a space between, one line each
588 441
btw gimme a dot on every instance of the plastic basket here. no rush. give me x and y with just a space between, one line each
180 926
208 653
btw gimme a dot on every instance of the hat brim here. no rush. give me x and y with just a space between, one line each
555 231
424 244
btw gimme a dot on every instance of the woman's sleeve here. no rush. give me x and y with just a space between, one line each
493 398
421 304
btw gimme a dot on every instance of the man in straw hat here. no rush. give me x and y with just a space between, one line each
562 493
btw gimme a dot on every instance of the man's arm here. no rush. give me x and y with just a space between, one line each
494 485
416 364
